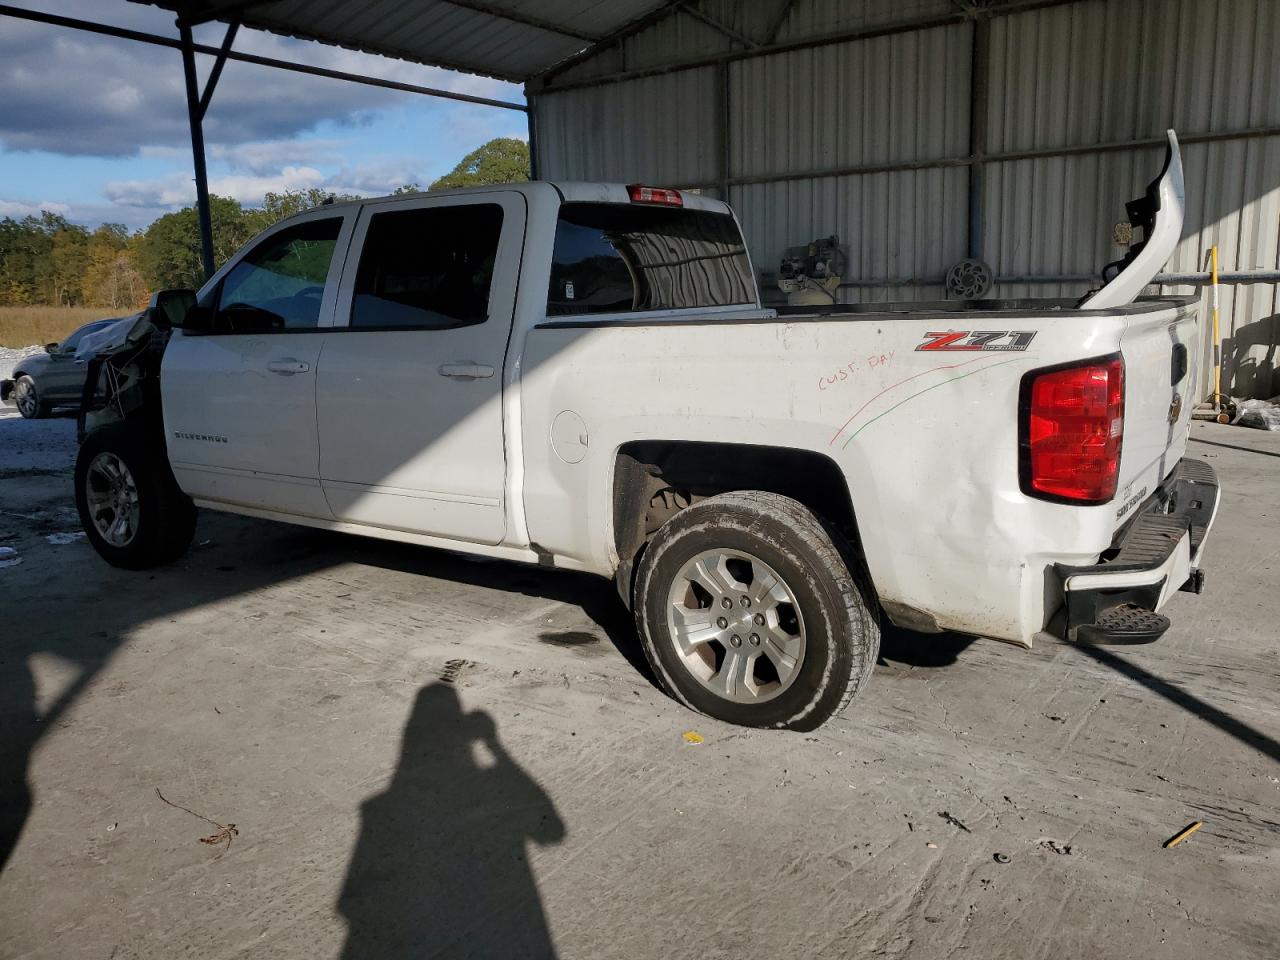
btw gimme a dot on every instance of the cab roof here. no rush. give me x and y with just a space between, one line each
570 191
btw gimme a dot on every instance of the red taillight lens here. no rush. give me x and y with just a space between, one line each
663 195
1072 426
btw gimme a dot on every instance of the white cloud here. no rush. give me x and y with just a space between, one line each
266 156
29 208
376 179
177 190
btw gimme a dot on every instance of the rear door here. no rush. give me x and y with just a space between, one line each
239 400
409 396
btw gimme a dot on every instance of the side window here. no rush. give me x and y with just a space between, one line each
429 268
617 257
69 345
280 283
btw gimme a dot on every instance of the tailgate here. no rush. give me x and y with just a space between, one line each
1161 353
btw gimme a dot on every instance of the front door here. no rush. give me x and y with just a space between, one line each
239 399
409 396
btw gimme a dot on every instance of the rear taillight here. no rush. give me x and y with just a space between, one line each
662 195
1072 422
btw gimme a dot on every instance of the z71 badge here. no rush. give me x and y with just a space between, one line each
978 340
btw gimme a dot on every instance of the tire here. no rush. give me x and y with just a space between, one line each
801 652
27 397
160 518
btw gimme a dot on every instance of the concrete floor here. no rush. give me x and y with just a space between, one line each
428 756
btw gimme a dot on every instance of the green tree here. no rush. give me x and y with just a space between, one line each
169 253
111 278
501 160
277 206
69 258
27 274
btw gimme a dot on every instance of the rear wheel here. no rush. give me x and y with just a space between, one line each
749 613
130 506
28 399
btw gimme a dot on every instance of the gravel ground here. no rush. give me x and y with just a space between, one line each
9 356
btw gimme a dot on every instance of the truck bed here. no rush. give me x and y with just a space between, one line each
924 428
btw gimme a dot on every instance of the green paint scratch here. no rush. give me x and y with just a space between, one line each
924 391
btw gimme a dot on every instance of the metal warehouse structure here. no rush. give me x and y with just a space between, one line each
920 131
925 131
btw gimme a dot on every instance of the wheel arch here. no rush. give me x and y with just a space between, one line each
653 480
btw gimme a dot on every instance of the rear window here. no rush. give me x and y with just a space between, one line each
614 258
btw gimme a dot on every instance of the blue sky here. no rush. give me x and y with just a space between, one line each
95 128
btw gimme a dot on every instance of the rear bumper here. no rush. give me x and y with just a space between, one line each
1158 553
6 389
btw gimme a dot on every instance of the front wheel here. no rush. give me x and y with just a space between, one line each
130 506
749 613
27 397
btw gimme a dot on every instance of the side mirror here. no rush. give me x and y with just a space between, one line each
51 348
169 308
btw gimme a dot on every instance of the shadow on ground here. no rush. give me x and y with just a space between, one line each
440 868
54 614
911 649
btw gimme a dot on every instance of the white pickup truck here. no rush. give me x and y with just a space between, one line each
583 376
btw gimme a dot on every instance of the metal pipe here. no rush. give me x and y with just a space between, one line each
1038 279
1217 358
122 33
194 114
1160 279
1247 133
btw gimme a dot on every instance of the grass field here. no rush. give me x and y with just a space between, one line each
23 326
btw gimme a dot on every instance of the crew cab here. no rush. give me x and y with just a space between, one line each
583 376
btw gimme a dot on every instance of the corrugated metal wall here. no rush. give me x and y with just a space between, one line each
800 140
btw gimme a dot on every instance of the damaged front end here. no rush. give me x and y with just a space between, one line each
123 377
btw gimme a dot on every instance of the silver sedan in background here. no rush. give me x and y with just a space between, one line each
51 379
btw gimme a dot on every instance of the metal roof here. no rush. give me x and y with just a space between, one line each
507 39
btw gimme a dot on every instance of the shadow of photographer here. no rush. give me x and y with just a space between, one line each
440 867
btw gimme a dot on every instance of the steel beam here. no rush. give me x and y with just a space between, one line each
531 116
721 28
979 67
1006 8
726 129
140 36
195 119
779 18
515 16
604 43
195 14
218 64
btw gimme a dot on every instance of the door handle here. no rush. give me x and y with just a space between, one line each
288 366
467 370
